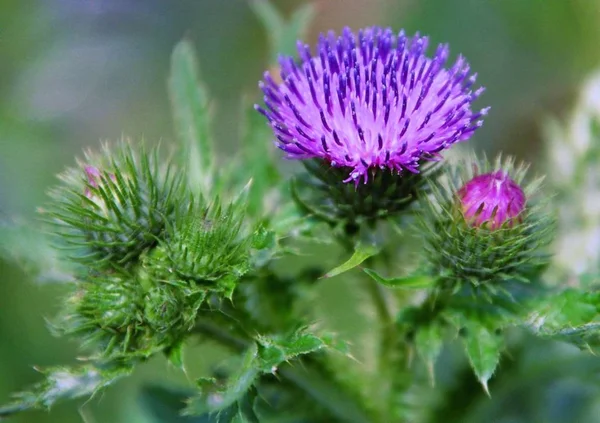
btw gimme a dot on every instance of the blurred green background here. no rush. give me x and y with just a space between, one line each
74 72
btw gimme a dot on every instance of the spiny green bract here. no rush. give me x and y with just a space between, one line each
207 249
123 316
171 312
322 193
107 313
114 205
458 252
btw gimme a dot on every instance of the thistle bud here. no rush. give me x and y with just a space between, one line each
484 228
492 199
207 250
114 206
106 313
171 311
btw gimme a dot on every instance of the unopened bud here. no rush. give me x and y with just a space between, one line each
492 199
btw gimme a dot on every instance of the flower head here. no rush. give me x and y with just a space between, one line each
128 200
492 197
485 224
370 100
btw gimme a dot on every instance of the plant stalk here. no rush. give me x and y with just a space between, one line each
303 376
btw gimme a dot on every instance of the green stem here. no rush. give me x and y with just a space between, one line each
309 380
385 317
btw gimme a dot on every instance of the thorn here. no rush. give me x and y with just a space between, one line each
484 384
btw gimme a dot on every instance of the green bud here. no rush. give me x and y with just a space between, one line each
208 249
171 311
107 314
114 205
460 249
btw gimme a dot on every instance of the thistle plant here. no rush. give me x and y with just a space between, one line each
168 250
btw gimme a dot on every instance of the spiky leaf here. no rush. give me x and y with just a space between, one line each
571 316
62 383
483 347
262 357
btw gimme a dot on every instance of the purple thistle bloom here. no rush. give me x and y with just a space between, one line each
494 198
370 100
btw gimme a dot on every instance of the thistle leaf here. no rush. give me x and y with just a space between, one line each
483 348
175 356
571 316
191 117
282 34
361 253
65 383
262 357
405 282
428 343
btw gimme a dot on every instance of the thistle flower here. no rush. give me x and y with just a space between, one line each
371 100
493 198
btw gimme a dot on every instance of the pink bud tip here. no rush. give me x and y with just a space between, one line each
493 198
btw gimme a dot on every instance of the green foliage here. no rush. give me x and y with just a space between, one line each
191 117
262 357
361 253
165 405
63 383
483 347
226 259
282 35
114 205
416 281
429 340
458 252
573 316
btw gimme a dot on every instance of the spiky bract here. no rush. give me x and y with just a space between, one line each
459 252
114 205
107 313
208 249
323 194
